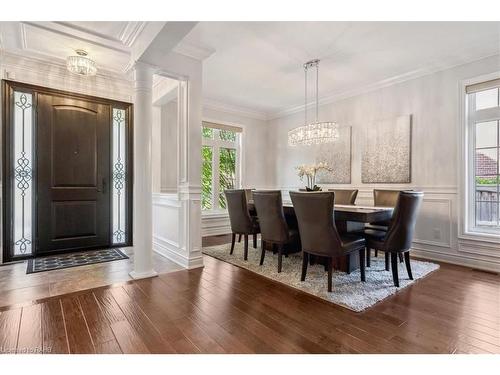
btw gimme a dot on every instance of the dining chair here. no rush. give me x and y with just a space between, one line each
241 221
273 226
248 195
318 234
398 238
382 198
345 196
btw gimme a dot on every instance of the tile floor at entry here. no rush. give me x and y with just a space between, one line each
18 287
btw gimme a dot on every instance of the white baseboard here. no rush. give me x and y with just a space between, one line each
459 260
171 251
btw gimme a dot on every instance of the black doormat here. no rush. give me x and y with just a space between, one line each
57 262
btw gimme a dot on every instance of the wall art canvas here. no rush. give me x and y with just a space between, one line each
386 152
338 157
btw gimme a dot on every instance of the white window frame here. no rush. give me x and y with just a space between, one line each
468 117
216 143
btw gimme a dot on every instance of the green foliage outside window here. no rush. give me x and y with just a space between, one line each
206 177
207 133
226 135
488 180
227 172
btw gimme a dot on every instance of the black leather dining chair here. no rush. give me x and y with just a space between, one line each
398 237
241 221
249 197
273 226
382 198
345 196
318 234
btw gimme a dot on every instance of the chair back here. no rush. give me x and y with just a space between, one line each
238 211
269 207
249 194
385 198
345 196
400 233
314 212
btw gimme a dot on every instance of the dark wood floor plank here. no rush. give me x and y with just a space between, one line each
155 313
30 331
140 323
79 339
99 327
9 330
53 328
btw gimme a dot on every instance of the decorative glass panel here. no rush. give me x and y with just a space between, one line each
206 177
227 135
207 133
119 176
22 171
227 173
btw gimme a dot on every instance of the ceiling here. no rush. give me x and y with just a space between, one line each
107 43
258 65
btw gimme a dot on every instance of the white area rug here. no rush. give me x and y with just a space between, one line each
348 290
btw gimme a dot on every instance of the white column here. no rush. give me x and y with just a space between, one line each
143 213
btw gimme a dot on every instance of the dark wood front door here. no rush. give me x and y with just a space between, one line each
73 174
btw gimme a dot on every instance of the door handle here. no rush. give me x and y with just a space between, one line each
103 186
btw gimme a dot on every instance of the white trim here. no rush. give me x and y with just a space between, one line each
193 51
234 109
466 164
142 275
173 252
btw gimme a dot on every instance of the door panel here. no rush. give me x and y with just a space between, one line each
73 174
74 159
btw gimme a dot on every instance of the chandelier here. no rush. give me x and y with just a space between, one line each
316 132
81 64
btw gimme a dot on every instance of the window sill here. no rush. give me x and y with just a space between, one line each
480 236
208 214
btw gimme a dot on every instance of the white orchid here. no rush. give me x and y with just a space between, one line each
310 172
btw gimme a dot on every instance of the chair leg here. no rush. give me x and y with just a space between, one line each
280 257
348 264
376 253
239 238
408 267
386 261
263 253
330 274
255 241
394 266
305 260
233 238
362 263
368 256
400 255
246 247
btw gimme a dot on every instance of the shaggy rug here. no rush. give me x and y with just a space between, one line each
348 290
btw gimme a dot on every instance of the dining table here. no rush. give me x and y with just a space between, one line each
348 219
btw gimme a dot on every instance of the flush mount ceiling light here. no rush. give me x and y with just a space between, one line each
81 64
316 132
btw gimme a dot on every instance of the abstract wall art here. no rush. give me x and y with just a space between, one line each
386 151
338 157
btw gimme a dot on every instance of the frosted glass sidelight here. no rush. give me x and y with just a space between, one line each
22 170
119 176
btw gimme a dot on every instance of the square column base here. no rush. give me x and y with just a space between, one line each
142 275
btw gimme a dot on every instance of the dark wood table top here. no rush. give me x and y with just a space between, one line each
361 214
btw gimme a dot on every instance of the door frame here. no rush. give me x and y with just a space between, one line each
8 88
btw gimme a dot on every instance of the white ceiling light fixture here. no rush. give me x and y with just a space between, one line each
316 132
81 64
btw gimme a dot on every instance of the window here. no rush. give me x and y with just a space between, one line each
220 164
483 116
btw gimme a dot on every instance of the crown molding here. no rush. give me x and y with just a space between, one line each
195 52
234 109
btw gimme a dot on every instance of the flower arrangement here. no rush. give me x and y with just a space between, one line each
310 172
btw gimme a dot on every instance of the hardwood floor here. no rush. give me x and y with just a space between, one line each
225 309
